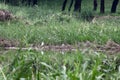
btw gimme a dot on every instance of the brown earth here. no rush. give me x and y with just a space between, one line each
5 15
110 47
8 43
102 18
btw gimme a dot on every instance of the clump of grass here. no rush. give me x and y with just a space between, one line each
87 15
54 65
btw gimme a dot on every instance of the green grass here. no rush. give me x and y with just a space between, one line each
48 24
54 65
61 32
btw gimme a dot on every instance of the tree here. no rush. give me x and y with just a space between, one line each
70 5
64 5
95 5
32 2
114 6
17 2
6 1
35 2
102 6
77 5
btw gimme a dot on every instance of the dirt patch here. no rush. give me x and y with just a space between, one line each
8 43
108 17
5 15
110 47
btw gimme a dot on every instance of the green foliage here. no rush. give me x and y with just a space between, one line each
31 65
87 15
47 24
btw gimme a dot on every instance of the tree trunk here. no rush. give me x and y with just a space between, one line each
35 2
95 5
77 6
102 6
70 5
64 5
114 6
6 1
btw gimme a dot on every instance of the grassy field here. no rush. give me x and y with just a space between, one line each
46 24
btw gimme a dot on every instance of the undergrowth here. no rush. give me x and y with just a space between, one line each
32 65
